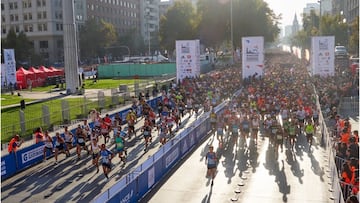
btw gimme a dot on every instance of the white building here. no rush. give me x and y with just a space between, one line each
42 22
311 6
149 15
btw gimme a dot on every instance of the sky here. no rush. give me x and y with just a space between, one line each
288 8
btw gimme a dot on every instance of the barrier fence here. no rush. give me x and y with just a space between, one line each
52 114
29 156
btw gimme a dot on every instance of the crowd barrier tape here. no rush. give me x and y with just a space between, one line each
141 180
32 155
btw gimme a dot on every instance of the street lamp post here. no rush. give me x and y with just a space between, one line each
320 18
231 30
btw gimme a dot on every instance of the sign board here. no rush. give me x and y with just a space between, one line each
10 66
322 55
252 56
187 59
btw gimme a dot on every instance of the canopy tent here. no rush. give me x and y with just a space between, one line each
58 72
40 77
24 78
47 71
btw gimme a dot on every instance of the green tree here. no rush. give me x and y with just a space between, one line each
20 43
132 39
178 23
354 37
95 37
208 21
333 25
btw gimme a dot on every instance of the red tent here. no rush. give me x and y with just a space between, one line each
58 72
48 72
40 77
24 78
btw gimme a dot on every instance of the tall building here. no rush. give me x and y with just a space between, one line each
311 6
325 7
42 22
295 26
123 14
351 10
149 15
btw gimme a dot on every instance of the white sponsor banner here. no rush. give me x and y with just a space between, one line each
10 66
187 59
32 154
252 56
322 55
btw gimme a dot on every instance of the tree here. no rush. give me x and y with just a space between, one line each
334 25
178 23
21 45
95 37
132 39
354 37
208 21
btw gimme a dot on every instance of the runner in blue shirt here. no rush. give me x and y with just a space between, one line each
211 164
106 156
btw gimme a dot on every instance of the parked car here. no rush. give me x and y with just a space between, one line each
340 51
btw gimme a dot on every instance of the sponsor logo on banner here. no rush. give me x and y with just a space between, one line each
3 168
171 157
151 177
10 65
253 56
184 147
187 59
32 154
127 197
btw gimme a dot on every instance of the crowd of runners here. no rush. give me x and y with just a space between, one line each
280 105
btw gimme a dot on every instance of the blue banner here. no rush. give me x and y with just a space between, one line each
8 165
127 194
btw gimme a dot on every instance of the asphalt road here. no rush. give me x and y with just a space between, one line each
72 180
252 175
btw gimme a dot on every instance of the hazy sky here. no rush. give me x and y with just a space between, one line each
288 9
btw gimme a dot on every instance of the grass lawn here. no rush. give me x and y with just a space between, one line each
10 121
7 99
100 84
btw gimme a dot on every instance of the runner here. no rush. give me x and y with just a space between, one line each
211 164
120 147
68 141
80 143
147 133
95 148
59 146
309 130
106 156
48 144
255 124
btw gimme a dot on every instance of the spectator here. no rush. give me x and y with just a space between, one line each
15 143
39 136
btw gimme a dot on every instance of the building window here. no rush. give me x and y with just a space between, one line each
38 3
39 15
17 29
25 17
43 3
11 17
11 6
44 44
16 17
44 14
15 5
2 6
3 19
28 28
60 44
3 30
26 3
30 16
